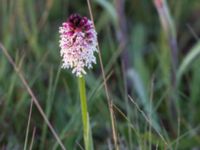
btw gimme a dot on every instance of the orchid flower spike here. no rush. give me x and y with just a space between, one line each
78 42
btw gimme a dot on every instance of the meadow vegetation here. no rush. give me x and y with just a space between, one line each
151 64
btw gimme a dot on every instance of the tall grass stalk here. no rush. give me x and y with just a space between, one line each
87 135
110 103
169 29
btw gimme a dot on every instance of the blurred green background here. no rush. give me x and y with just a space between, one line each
134 48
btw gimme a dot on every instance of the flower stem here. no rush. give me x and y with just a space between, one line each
87 135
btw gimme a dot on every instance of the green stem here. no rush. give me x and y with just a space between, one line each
85 117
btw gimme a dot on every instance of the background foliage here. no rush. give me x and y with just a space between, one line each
29 31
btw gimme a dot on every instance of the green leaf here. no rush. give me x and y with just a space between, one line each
191 56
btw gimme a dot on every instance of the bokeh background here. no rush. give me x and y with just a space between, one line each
155 94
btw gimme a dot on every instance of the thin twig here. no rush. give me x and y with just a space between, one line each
28 125
147 119
32 139
184 135
127 119
21 76
105 85
80 146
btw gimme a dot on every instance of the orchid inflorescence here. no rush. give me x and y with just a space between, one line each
78 42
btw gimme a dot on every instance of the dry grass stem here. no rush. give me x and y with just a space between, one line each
21 76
